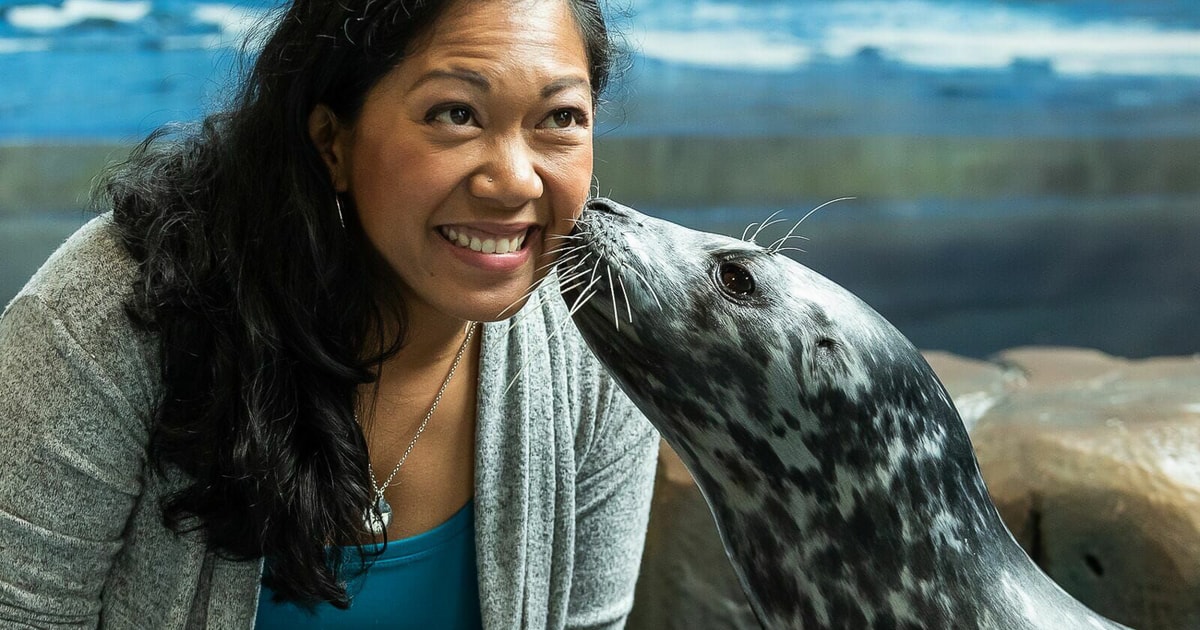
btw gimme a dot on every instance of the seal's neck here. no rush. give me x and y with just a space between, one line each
866 527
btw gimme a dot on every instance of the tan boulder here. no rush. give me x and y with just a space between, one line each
1094 464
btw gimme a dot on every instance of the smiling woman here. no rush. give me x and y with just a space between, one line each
272 386
484 131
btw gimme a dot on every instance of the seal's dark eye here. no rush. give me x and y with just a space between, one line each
736 279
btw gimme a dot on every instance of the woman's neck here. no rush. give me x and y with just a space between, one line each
429 347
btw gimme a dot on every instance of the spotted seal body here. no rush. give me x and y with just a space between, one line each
840 475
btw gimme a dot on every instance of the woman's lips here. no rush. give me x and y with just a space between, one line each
485 242
492 248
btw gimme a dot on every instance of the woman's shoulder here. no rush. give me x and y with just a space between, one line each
76 302
88 275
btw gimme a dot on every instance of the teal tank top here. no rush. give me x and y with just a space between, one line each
426 581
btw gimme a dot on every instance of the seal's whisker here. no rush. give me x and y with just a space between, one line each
565 265
777 246
628 306
587 292
562 263
760 227
574 273
556 327
649 287
789 249
596 270
521 314
514 380
771 220
573 260
556 248
584 293
747 230
810 213
532 289
572 280
567 259
571 250
612 289
561 239
569 276
583 300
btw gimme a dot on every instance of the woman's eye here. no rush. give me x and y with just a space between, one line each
563 118
454 116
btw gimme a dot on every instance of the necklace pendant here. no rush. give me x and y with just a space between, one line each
378 518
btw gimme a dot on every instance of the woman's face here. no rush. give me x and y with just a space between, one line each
471 156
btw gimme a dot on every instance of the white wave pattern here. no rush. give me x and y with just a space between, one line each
233 22
10 45
731 49
788 35
45 17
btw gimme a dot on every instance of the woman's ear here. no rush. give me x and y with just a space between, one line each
331 140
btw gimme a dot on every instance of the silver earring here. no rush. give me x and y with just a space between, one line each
491 181
337 201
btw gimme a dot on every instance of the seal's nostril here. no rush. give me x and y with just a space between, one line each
601 205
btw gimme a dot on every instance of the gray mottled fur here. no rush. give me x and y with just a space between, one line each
840 475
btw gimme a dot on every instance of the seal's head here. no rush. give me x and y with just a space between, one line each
723 343
841 478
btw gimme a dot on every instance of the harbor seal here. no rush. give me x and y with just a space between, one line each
841 478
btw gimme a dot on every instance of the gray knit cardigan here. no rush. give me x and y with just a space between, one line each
564 470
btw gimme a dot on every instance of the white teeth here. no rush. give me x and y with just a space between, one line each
484 246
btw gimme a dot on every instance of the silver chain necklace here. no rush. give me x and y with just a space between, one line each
377 517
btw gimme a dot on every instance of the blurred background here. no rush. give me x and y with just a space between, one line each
1023 171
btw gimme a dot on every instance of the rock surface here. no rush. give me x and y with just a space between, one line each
1092 460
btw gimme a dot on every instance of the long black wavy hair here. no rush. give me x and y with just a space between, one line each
264 303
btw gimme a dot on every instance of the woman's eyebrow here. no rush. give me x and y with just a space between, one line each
558 85
457 74
478 80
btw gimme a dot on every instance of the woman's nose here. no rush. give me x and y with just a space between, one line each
510 177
